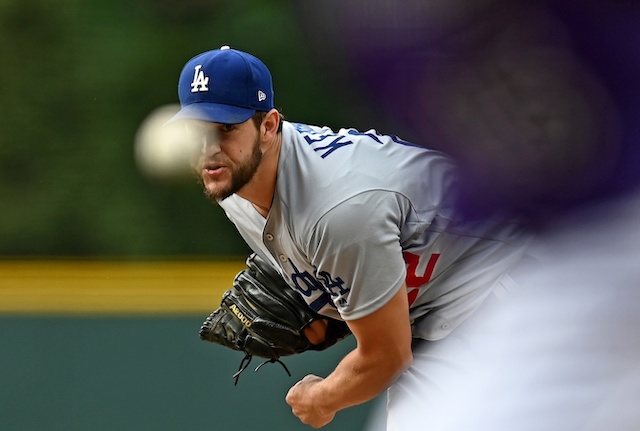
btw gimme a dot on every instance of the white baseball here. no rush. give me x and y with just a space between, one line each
164 151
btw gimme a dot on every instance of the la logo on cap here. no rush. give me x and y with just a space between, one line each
200 82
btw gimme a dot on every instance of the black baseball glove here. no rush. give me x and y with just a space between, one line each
261 315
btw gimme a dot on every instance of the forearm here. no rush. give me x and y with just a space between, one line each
358 378
383 351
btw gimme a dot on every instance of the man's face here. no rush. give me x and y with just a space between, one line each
230 156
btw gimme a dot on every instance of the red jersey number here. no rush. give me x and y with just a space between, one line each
413 280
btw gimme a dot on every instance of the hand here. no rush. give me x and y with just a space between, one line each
304 406
316 331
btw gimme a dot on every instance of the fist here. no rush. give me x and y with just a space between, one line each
304 398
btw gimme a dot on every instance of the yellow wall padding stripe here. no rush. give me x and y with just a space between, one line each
108 287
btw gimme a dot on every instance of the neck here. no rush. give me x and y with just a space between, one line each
261 189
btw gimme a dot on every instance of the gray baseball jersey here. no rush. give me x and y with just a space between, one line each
356 215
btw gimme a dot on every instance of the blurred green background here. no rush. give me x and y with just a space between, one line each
76 80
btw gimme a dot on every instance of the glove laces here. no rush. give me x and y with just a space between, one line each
245 363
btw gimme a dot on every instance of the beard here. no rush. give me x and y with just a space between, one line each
241 174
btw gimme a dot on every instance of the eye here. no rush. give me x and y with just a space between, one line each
227 127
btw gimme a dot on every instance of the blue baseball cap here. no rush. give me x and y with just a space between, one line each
224 86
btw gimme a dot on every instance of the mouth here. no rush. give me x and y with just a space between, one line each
212 168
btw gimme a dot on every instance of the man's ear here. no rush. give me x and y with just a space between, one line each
270 124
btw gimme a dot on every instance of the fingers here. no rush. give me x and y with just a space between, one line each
304 405
316 331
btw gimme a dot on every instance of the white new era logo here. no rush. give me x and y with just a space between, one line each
261 96
200 82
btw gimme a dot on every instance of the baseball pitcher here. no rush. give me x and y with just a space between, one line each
358 227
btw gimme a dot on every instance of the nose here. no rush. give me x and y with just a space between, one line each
210 144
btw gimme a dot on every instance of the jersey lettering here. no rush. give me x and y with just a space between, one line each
337 140
413 280
305 282
371 135
401 141
322 282
332 146
319 303
331 284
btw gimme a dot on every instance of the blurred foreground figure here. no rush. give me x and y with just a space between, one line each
531 97
540 100
562 354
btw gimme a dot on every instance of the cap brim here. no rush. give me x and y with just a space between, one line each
214 112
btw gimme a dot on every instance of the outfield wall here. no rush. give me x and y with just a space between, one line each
114 346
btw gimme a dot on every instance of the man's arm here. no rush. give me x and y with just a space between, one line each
383 351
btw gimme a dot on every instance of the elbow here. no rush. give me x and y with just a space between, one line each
405 360
400 362
405 354
389 362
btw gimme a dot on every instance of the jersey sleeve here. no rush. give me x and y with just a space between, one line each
356 247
